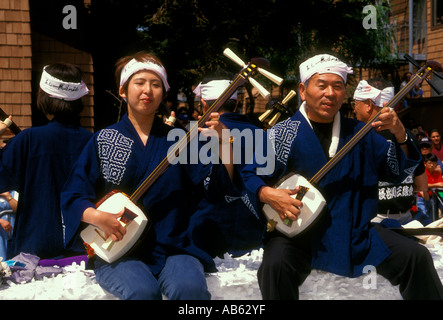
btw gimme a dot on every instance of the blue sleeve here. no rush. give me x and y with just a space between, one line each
13 162
265 168
78 193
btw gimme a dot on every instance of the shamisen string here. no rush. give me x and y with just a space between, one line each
60 89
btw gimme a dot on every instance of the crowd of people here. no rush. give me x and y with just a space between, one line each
200 210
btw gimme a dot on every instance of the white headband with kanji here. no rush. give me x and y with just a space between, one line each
60 89
324 63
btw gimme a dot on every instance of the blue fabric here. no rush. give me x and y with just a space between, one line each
36 163
344 242
423 209
231 224
116 159
240 126
182 278
4 204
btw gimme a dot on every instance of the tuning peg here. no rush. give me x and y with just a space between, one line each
263 92
274 119
264 115
278 108
231 55
277 80
289 96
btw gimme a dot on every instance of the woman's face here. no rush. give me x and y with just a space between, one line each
435 138
144 93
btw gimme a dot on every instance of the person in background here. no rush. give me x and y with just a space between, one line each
405 101
435 180
37 162
417 92
395 199
230 225
426 148
8 204
8 208
437 148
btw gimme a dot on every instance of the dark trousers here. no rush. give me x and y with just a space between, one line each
287 263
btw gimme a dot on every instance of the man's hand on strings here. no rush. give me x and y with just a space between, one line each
213 125
388 120
282 202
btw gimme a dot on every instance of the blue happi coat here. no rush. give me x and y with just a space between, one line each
36 163
345 242
231 224
117 159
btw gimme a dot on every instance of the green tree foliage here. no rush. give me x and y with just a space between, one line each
190 35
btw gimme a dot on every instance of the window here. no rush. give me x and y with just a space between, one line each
437 12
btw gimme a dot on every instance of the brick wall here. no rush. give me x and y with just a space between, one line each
15 60
23 53
435 43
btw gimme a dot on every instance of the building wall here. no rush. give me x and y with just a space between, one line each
23 53
15 61
435 43
434 39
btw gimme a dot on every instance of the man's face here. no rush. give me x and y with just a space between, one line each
324 96
362 110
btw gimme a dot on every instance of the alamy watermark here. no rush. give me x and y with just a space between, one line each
370 279
247 145
370 20
70 20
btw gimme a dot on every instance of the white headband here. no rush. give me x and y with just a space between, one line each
386 95
135 66
323 63
212 90
60 89
365 91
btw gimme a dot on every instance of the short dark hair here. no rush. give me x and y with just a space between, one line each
67 112
430 157
228 106
379 83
